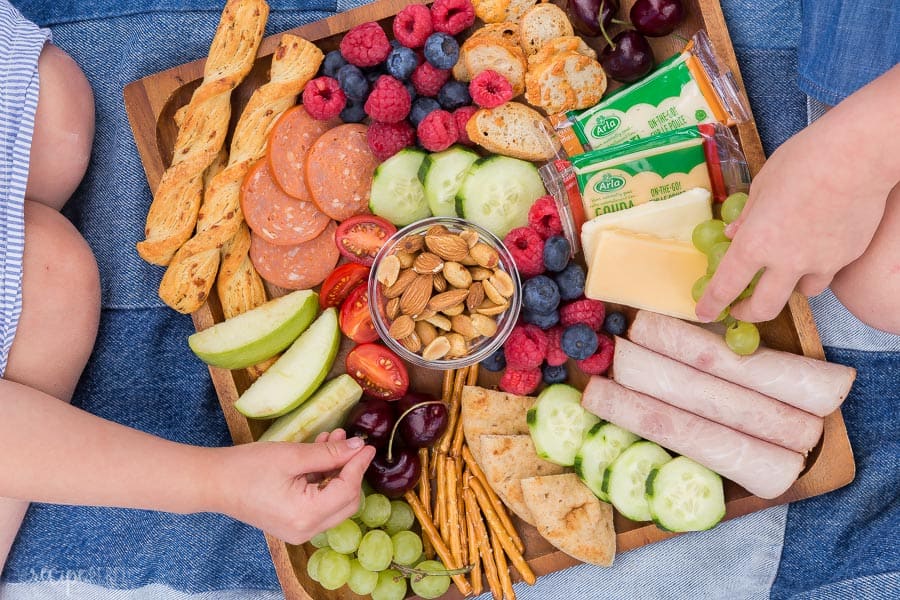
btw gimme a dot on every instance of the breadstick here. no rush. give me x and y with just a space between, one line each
173 213
239 286
500 533
484 545
191 273
440 547
494 499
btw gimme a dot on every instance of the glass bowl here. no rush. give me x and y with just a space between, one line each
478 347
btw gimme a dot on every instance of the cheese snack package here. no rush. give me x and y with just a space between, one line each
690 88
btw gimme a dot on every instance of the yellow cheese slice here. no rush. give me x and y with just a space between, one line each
645 271
674 218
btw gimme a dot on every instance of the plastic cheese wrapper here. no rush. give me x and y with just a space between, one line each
690 88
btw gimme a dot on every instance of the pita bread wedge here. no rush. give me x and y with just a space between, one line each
488 412
507 459
571 518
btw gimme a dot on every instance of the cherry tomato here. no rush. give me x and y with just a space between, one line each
355 319
340 283
359 238
379 371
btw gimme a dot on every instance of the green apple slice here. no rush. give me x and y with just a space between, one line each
325 411
257 334
297 374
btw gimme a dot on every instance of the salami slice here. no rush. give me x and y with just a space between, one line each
339 169
273 215
298 267
290 140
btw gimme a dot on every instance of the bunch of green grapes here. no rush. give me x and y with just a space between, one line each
709 238
374 552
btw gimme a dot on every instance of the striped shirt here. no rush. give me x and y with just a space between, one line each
21 42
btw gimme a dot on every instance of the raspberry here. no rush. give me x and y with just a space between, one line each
587 311
527 249
365 45
543 217
387 139
462 116
490 89
437 131
520 383
413 25
555 354
599 362
323 98
429 80
452 16
525 348
388 101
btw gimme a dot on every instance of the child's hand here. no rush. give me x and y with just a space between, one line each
294 491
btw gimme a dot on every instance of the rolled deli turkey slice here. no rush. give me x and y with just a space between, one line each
726 403
763 469
812 385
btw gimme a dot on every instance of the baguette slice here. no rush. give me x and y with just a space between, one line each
491 11
567 81
504 30
516 8
542 23
567 43
512 129
500 55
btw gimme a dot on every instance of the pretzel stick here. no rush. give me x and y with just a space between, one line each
446 391
499 531
459 439
441 494
455 399
502 568
483 545
425 497
440 547
453 525
461 511
472 379
495 501
477 583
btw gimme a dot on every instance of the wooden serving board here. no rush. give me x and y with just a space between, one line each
151 103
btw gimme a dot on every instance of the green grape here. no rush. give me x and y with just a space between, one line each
742 337
407 547
391 586
366 488
401 519
723 315
344 537
377 510
312 565
333 569
320 540
733 206
714 256
361 581
699 287
357 516
376 551
707 234
751 287
430 586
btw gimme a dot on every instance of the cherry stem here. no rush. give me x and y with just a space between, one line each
420 574
400 418
620 22
680 37
603 27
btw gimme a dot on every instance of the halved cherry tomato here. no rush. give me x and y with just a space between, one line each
340 283
355 319
379 371
359 238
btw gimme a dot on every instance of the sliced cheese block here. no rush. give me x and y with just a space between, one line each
489 412
645 271
571 518
674 218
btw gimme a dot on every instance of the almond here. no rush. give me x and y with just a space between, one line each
437 349
440 321
426 331
388 270
440 282
476 296
454 310
480 273
415 297
503 283
406 259
411 244
437 230
457 275
392 308
402 327
447 299
463 325
448 247
428 263
404 280
470 236
484 325
491 292
411 343
458 345
484 255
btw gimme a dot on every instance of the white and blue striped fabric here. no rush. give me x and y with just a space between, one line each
21 42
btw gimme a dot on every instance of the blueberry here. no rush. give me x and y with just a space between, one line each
411 89
354 112
579 341
554 374
441 50
373 73
570 281
395 44
353 82
540 294
544 321
556 253
421 108
454 95
615 323
495 362
401 62
334 60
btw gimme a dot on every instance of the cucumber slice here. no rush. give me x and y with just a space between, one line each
497 193
558 424
602 445
626 478
324 411
441 174
397 194
685 496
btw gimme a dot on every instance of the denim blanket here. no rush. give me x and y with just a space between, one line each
842 545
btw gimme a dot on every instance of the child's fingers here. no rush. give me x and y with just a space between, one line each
322 437
346 485
327 456
771 294
337 435
731 278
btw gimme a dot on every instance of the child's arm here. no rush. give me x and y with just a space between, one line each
53 452
815 205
